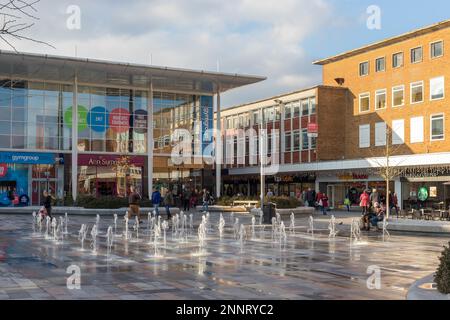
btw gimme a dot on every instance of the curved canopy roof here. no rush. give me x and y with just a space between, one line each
99 72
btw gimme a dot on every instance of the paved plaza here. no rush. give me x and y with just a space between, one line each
306 267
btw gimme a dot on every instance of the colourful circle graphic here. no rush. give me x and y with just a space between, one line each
82 118
119 120
98 119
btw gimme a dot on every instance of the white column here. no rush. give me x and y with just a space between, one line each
150 143
398 191
75 140
282 133
219 148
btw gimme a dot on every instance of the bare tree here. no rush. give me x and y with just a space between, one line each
17 17
386 168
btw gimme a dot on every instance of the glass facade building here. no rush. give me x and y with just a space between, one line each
126 120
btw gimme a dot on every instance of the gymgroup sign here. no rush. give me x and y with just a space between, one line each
27 158
99 119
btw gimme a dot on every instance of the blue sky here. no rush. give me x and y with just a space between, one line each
274 38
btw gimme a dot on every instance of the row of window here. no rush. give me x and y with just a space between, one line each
296 109
416 56
417 89
437 132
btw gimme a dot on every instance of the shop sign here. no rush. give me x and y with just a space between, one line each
3 170
107 161
422 195
313 130
119 120
27 158
354 176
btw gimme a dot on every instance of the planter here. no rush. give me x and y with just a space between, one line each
425 289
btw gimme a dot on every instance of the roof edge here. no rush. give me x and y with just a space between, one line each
385 42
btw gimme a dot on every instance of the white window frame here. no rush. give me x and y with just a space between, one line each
364 95
368 69
380 126
378 93
401 137
431 49
431 91
361 128
411 55
397 89
431 126
410 91
376 65
403 59
414 124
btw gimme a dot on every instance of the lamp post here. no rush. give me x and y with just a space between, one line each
262 137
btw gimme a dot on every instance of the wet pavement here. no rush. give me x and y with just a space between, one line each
307 267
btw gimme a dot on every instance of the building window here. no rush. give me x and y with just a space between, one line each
288 142
364 136
297 140
256 118
417 92
313 106
297 109
305 108
398 131
380 64
437 49
364 69
397 60
417 130
437 127
313 143
437 88
416 55
380 99
277 114
380 134
398 96
305 140
364 102
287 111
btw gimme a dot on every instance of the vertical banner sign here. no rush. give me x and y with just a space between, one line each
139 121
207 119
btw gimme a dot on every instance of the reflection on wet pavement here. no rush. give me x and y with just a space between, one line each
307 267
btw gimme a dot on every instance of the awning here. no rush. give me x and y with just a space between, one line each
28 66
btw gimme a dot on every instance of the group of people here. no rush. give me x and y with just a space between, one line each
314 199
189 200
374 207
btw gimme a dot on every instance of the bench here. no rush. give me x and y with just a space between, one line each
245 203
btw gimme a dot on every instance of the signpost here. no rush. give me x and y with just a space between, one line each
313 130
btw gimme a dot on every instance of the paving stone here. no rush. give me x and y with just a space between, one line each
306 268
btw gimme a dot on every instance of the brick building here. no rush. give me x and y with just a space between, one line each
390 93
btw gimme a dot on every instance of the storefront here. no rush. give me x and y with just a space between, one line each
25 176
280 185
430 192
351 184
109 175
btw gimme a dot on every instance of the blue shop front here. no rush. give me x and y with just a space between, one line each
24 177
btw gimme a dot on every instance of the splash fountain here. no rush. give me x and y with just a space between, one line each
236 228
221 226
332 227
82 235
355 230
66 223
242 236
292 225
311 226
94 234
253 227
109 240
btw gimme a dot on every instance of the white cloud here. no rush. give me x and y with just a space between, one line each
259 37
